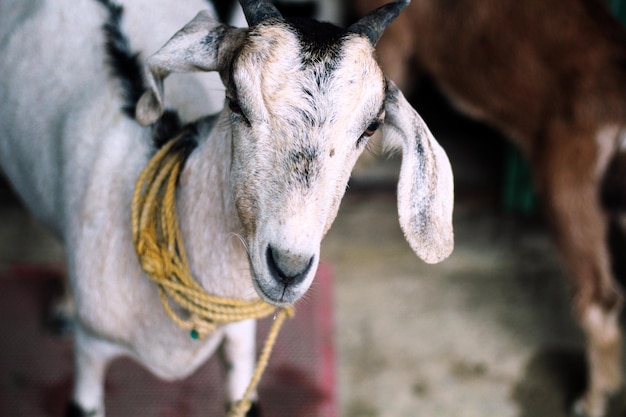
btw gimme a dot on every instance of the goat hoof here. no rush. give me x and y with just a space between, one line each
581 409
578 410
75 410
254 411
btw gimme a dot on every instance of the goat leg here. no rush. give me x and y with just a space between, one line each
92 356
580 228
239 355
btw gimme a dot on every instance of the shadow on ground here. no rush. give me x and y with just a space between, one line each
554 378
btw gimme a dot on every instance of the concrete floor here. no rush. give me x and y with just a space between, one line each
485 333
488 332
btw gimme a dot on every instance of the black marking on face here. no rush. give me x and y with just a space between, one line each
419 149
321 45
304 165
307 117
319 40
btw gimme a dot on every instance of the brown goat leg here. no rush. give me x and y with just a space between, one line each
580 228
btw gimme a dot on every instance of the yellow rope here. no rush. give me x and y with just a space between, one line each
162 256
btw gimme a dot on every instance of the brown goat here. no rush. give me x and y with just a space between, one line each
551 74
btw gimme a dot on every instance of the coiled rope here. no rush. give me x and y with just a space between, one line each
159 246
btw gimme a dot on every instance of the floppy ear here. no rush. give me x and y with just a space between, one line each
425 187
204 44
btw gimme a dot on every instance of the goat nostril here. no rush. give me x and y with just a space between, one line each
286 267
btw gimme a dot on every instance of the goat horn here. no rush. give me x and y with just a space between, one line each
257 11
374 23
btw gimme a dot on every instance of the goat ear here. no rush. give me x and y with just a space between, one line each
204 44
425 187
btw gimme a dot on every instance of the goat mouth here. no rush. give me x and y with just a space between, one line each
275 297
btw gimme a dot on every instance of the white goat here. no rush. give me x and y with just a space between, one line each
551 75
271 168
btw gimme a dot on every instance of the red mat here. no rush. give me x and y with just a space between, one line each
36 366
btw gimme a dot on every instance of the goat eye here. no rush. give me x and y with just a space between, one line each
235 107
371 129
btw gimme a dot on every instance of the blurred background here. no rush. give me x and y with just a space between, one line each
488 332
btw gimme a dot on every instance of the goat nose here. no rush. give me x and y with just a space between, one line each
287 267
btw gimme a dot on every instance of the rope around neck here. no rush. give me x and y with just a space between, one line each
158 243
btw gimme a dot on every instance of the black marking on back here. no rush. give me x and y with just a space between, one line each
126 67
124 63
187 142
190 133
168 126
